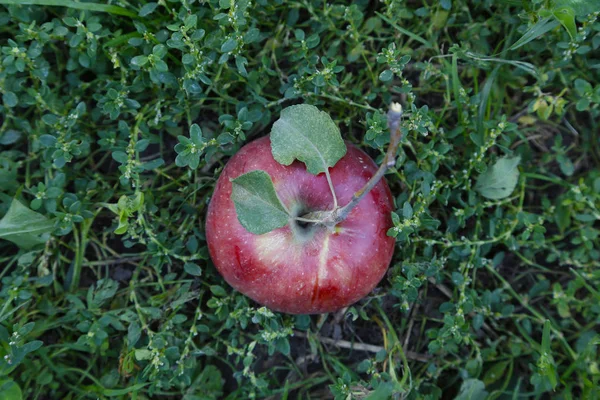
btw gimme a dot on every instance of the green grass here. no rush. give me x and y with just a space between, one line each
107 290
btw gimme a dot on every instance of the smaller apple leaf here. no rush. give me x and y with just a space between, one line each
258 207
500 179
303 132
24 227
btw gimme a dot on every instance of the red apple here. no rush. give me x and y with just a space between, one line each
303 269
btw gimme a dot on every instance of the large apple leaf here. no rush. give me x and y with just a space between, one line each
500 179
304 133
24 227
258 207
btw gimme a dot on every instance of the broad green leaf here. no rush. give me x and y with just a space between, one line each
258 207
495 372
10 390
303 132
472 389
384 391
210 379
500 179
134 332
580 7
105 290
566 16
24 227
143 354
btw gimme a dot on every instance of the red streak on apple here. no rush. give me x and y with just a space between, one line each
303 269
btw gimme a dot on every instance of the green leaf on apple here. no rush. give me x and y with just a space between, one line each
258 207
500 179
304 133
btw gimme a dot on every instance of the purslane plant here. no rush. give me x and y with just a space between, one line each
106 281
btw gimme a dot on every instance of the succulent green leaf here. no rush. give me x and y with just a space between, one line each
10 99
258 207
11 136
500 179
139 60
196 135
386 75
303 132
147 9
24 227
192 269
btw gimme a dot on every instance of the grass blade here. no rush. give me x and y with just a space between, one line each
542 26
73 4
485 95
456 85
525 66
121 392
404 31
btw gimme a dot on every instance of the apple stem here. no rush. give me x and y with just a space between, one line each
338 214
394 116
335 201
308 220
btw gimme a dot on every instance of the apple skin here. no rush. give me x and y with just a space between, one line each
295 269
